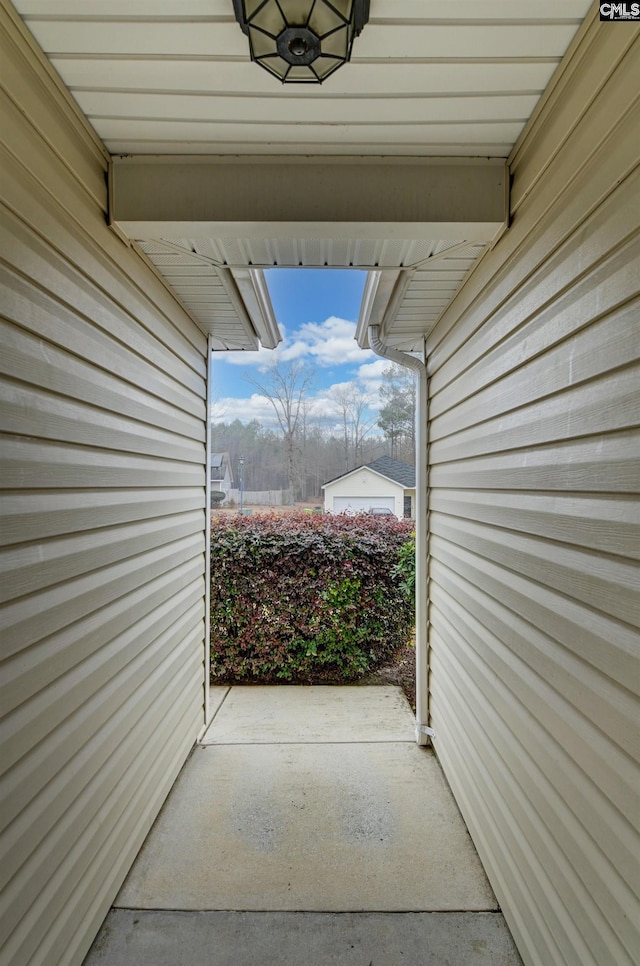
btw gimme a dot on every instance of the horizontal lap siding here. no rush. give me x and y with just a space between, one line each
102 382
535 525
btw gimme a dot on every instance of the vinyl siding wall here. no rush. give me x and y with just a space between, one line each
103 490
534 578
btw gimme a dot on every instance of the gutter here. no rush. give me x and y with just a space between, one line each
423 732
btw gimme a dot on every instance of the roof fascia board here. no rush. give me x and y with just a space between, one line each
146 230
190 197
378 290
254 292
359 469
228 283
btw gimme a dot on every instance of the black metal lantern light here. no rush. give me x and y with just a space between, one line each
301 41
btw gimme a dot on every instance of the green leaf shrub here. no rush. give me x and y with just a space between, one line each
307 597
405 568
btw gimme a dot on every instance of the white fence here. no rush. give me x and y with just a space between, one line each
260 497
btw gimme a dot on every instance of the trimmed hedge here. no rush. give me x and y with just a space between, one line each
305 597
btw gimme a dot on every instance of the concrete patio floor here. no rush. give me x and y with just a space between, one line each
307 828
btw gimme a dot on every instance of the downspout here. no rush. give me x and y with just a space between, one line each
207 540
423 731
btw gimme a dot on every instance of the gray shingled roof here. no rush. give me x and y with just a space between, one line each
396 470
402 473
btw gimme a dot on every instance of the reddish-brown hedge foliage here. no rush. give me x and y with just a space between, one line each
306 597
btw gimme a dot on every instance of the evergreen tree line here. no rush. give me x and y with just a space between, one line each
310 448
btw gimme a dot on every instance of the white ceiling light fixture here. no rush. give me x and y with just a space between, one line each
301 41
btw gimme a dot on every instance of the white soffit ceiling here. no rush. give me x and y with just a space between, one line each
233 307
428 79
407 304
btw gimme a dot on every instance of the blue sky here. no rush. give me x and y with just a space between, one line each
317 311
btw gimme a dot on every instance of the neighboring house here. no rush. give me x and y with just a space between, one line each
221 473
384 483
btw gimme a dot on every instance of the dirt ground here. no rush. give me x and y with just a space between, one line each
400 671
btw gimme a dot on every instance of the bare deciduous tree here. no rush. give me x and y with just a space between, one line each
285 385
350 404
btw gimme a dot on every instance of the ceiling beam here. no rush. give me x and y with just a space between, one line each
446 198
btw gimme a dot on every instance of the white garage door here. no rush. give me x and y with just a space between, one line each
361 504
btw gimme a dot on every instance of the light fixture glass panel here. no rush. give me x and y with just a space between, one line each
342 6
337 44
296 12
276 65
301 75
250 7
326 65
323 20
269 18
261 43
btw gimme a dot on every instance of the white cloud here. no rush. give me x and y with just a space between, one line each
254 407
370 378
321 408
327 343
372 371
258 407
262 358
332 342
329 391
